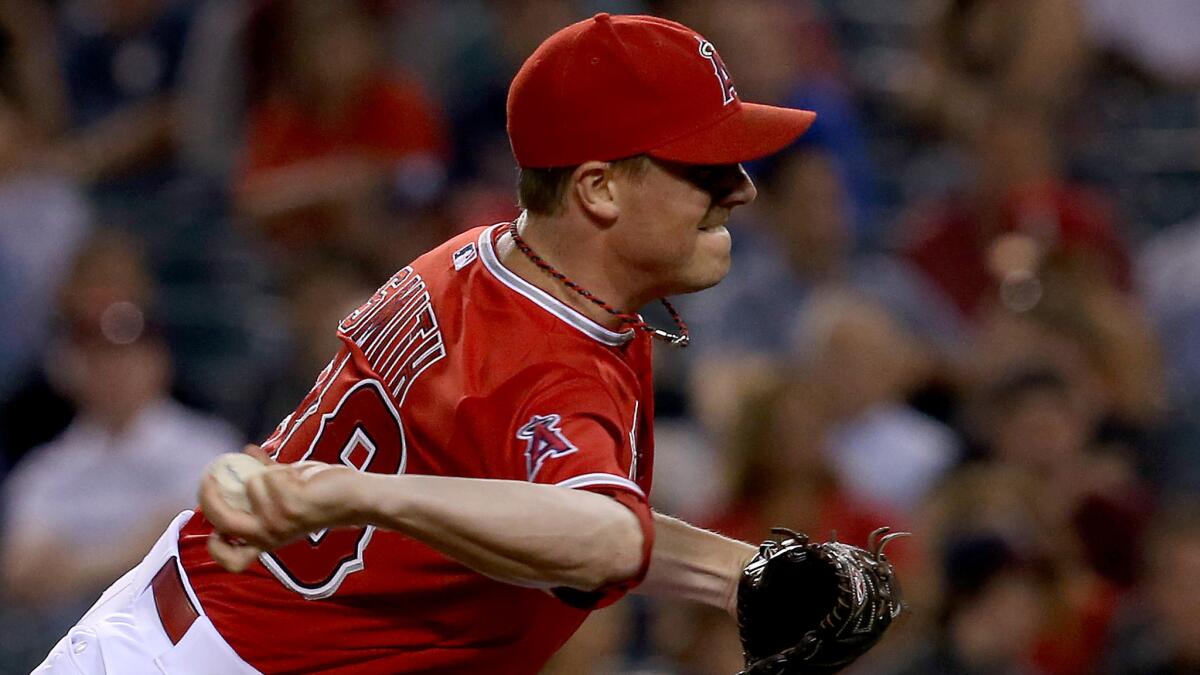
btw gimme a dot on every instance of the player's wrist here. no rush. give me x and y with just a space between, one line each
733 578
363 499
381 500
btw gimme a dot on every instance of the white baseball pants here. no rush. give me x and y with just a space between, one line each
123 634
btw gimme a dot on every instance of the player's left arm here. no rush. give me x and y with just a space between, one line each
689 563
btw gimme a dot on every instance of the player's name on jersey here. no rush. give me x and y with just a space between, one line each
397 331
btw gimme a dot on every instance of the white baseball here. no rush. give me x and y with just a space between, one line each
232 470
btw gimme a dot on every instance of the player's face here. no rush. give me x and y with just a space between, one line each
672 224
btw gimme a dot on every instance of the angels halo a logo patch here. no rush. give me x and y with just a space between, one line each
544 440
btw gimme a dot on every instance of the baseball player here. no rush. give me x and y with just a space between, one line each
486 430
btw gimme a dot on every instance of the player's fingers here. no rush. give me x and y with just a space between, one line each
258 453
263 493
210 499
225 518
287 512
232 557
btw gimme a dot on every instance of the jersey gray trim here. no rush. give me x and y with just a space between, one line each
590 479
487 253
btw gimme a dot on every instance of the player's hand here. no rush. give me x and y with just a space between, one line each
287 501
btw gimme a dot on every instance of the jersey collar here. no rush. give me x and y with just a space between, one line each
564 312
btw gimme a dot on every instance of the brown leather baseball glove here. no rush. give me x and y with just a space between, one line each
815 608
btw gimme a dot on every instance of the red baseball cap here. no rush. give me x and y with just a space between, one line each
616 86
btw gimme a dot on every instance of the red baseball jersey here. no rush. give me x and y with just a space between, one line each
455 367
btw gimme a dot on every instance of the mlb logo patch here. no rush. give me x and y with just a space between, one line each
464 256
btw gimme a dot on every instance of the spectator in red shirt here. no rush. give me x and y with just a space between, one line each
335 134
965 243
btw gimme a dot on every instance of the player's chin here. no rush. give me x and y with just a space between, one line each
709 268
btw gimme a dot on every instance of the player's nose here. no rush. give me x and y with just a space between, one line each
742 193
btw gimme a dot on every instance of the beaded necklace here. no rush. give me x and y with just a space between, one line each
680 339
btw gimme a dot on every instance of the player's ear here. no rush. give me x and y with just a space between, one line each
592 188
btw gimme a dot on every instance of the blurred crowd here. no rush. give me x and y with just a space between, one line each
966 304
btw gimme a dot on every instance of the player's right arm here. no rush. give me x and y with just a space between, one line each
522 533
688 563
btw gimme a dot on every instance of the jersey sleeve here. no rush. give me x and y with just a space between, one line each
570 431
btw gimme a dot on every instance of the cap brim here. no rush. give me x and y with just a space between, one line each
754 131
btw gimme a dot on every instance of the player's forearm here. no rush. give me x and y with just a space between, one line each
689 563
532 535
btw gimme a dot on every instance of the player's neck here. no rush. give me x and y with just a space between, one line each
576 260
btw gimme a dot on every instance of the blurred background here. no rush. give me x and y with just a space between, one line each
967 303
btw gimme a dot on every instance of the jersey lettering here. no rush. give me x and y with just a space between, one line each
310 405
363 320
398 333
419 347
364 432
